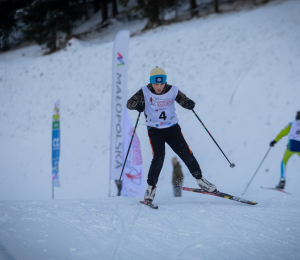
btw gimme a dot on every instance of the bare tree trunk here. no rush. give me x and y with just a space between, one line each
115 8
162 8
96 5
176 10
86 15
193 6
216 6
5 42
104 10
153 8
52 42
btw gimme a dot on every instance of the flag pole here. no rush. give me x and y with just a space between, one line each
109 188
52 190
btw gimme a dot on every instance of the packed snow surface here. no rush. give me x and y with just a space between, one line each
193 227
243 71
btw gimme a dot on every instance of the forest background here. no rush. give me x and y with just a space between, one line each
52 23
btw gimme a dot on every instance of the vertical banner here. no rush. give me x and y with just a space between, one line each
55 145
118 102
132 180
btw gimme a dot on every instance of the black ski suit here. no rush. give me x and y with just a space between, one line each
171 135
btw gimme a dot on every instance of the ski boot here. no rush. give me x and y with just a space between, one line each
206 185
281 184
150 193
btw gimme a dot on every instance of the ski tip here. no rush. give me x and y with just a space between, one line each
253 203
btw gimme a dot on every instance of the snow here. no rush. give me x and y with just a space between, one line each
241 69
191 227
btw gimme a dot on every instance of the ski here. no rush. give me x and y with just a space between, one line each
149 203
276 189
220 194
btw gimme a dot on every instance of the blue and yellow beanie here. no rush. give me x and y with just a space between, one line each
158 75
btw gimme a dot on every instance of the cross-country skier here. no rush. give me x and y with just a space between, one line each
157 101
293 147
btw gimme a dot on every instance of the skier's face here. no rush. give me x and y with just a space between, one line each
158 87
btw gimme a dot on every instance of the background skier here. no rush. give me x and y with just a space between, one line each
157 99
293 146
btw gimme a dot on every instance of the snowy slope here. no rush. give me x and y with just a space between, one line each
120 228
241 69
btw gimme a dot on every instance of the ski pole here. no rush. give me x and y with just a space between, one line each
130 145
231 164
256 171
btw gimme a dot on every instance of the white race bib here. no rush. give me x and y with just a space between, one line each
295 131
160 109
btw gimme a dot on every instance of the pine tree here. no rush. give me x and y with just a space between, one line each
10 33
151 9
104 8
46 20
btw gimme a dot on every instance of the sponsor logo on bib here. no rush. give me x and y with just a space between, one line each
165 103
152 102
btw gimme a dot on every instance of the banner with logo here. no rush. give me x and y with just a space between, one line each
55 145
118 102
133 177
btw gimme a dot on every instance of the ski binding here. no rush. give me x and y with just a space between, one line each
149 203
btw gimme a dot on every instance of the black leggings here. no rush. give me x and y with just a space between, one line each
174 138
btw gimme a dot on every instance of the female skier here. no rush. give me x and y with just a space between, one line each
293 147
157 101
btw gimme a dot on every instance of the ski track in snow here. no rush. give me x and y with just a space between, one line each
193 227
240 80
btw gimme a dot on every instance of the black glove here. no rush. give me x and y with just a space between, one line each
273 143
140 106
189 104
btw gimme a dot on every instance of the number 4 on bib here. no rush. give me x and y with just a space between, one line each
163 115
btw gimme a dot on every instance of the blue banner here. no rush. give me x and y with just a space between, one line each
55 145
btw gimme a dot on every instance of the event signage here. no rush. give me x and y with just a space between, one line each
133 177
118 102
55 145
